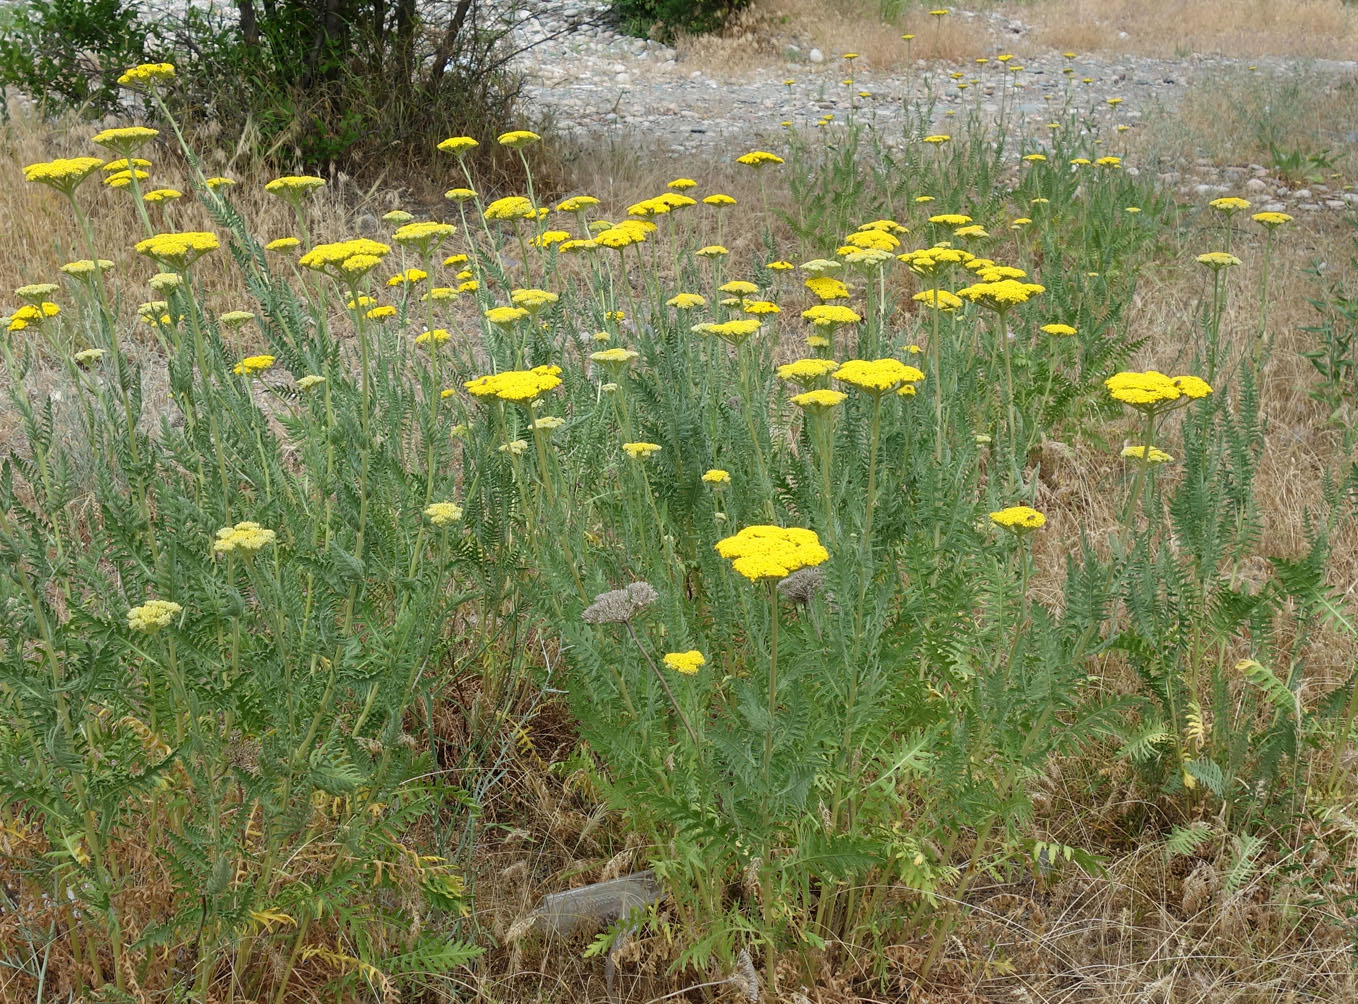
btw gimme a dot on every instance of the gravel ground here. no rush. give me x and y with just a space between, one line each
604 86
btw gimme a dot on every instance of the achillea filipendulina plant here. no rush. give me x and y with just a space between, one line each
782 600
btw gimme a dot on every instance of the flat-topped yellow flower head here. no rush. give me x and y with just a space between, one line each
147 74
532 300
765 553
877 376
246 538
1150 456
294 188
759 158
687 663
1152 391
1019 518
443 514
939 299
458 146
506 316
686 301
615 357
1271 220
125 139
517 138
831 315
63 174
518 386
424 237
348 259
806 372
879 240
511 207
827 288
640 451
819 401
735 331
153 615
1218 260
254 365
178 250
1002 294
739 286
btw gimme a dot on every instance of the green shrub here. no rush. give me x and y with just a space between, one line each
290 83
667 17
68 53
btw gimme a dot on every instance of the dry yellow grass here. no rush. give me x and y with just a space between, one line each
760 35
1239 28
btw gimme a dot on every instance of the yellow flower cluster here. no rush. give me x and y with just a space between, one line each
180 250
830 315
125 139
1217 260
423 236
640 451
686 663
532 300
517 138
939 299
346 258
443 513
64 173
716 476
408 278
762 553
520 386
1001 295
1019 518
877 376
511 207
292 186
505 316
459 146
147 73
246 537
1271 219
31 313
686 301
827 288
819 401
1156 456
153 615
806 371
253 365
1150 390
732 332
758 158
83 268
